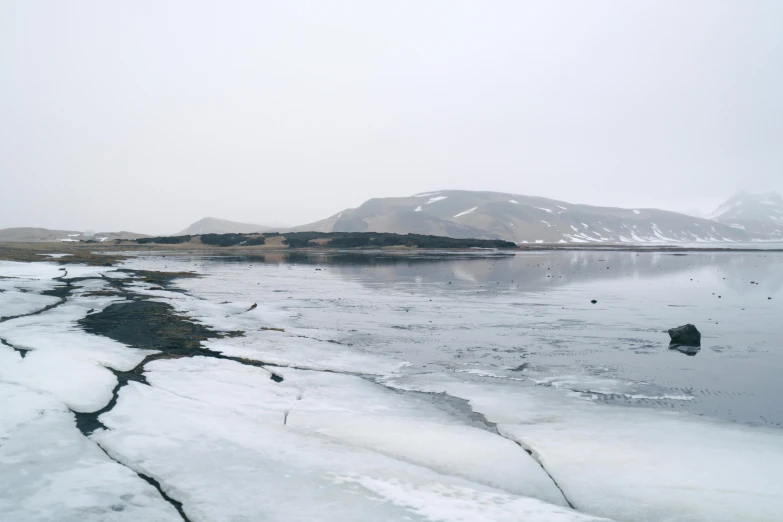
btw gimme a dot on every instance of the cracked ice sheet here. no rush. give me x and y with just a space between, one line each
288 350
82 386
38 270
353 411
223 465
627 463
64 360
56 330
14 303
49 472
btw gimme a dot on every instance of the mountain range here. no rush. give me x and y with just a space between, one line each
507 216
210 225
529 219
30 235
759 215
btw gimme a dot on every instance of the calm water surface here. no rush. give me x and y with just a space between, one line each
529 316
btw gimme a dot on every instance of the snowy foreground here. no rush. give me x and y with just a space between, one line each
326 432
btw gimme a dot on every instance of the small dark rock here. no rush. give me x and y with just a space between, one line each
593 301
253 307
686 335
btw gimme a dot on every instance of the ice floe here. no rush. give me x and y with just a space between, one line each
14 303
42 270
50 472
628 463
353 411
56 331
82 386
216 461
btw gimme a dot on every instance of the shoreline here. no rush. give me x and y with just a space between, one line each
109 254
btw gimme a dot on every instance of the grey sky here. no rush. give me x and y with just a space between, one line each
149 115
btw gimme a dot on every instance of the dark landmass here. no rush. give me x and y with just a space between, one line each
329 240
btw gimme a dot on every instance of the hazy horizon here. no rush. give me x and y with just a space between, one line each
149 116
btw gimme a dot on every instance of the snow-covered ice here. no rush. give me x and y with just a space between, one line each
55 256
40 270
56 331
81 385
217 461
351 410
49 472
628 463
14 303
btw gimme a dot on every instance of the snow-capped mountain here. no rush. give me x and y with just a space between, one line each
759 215
523 219
210 225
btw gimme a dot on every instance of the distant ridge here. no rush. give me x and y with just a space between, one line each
524 219
210 225
759 215
36 235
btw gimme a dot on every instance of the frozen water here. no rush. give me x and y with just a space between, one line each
580 385
49 472
628 463
350 410
216 461
447 503
13 303
81 385
41 270
288 350
56 331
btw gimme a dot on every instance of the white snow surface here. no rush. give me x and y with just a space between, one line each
435 199
41 270
56 330
82 386
632 464
55 256
49 472
279 472
13 303
356 412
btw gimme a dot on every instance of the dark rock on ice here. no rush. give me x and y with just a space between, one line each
686 335
593 301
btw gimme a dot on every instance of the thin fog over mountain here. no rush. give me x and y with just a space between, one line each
146 117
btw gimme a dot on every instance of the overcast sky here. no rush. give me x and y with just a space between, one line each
148 115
